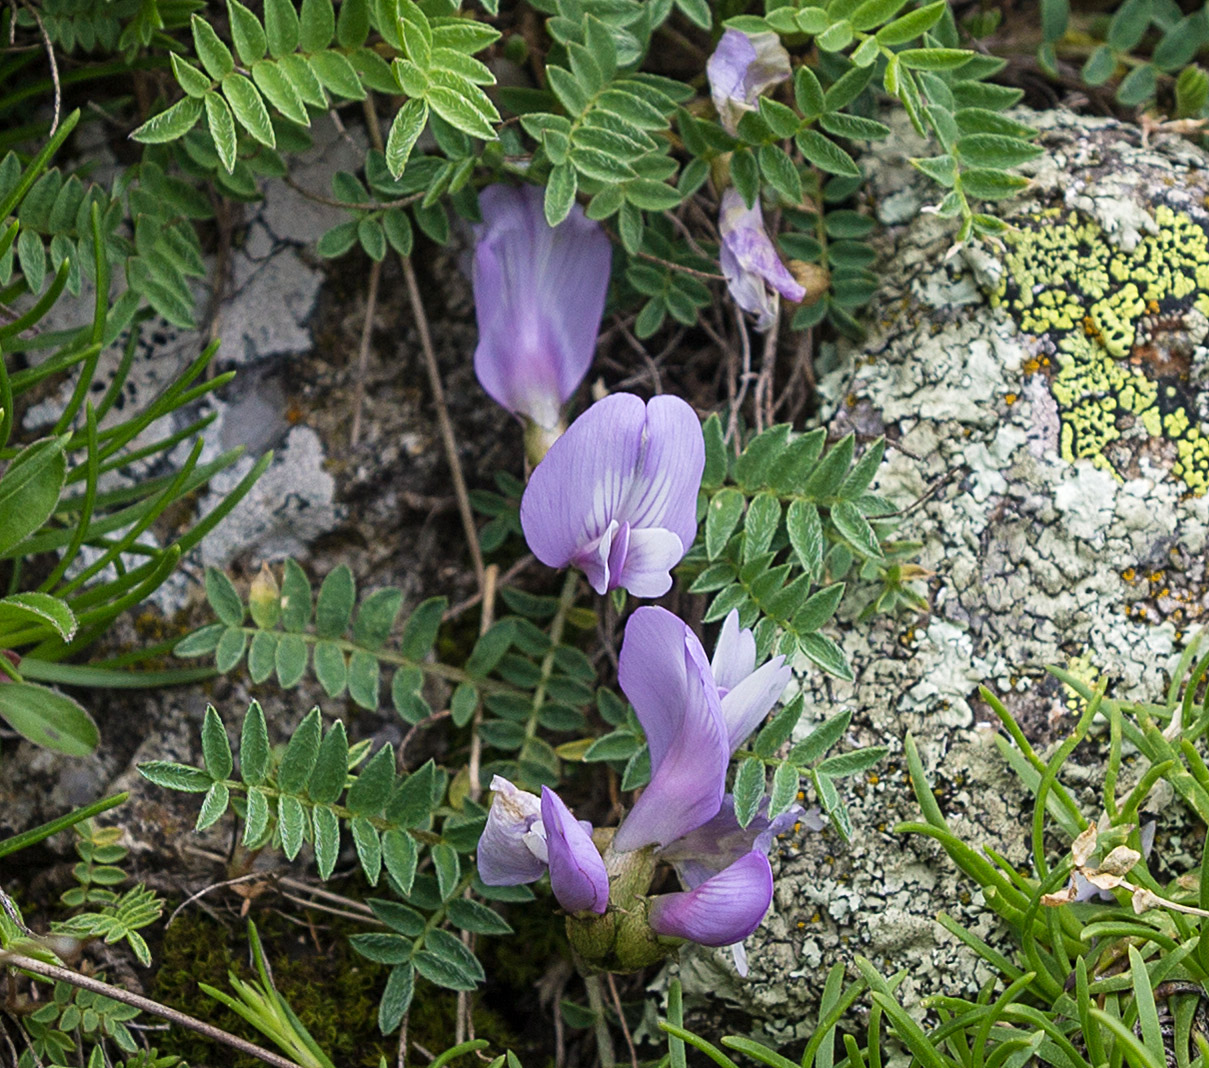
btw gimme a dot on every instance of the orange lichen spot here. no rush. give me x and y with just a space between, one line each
1128 574
1089 326
1155 576
1032 366
1152 307
850 400
816 918
1142 611
873 779
1010 398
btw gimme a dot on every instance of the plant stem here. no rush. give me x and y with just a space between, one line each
604 1040
447 435
565 600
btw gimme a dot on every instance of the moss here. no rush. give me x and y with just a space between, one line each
333 990
1112 314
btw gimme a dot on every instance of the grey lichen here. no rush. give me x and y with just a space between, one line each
1039 560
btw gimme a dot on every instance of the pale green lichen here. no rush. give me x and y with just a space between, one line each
1103 305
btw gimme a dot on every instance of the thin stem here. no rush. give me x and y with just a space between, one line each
604 1040
348 205
487 618
621 1020
84 982
367 329
447 435
565 600
474 599
54 67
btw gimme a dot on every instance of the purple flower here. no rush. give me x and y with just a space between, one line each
665 674
695 714
724 909
538 295
577 872
750 262
616 495
692 724
740 69
526 835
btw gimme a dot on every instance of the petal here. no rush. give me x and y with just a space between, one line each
683 721
595 561
722 910
727 72
651 673
716 845
744 237
539 295
577 871
649 558
751 700
747 290
664 493
770 65
504 858
576 491
734 655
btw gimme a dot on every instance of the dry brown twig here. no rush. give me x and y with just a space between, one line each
367 330
448 438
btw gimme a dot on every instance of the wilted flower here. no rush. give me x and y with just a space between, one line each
750 262
616 495
740 69
539 292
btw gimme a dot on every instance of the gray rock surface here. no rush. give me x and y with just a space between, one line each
1091 565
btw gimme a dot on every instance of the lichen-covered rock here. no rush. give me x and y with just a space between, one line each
1043 403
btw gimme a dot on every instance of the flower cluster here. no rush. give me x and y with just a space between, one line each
616 497
695 713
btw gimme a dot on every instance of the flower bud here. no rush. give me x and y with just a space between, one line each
264 599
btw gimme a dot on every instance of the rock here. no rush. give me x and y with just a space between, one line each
1043 415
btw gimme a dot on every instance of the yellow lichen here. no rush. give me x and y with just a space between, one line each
1097 302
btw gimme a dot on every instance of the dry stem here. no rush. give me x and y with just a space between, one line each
447 435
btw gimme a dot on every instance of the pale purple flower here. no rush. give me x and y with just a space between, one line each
577 871
754 272
692 724
740 69
713 848
616 495
665 674
526 835
721 911
539 293
695 714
